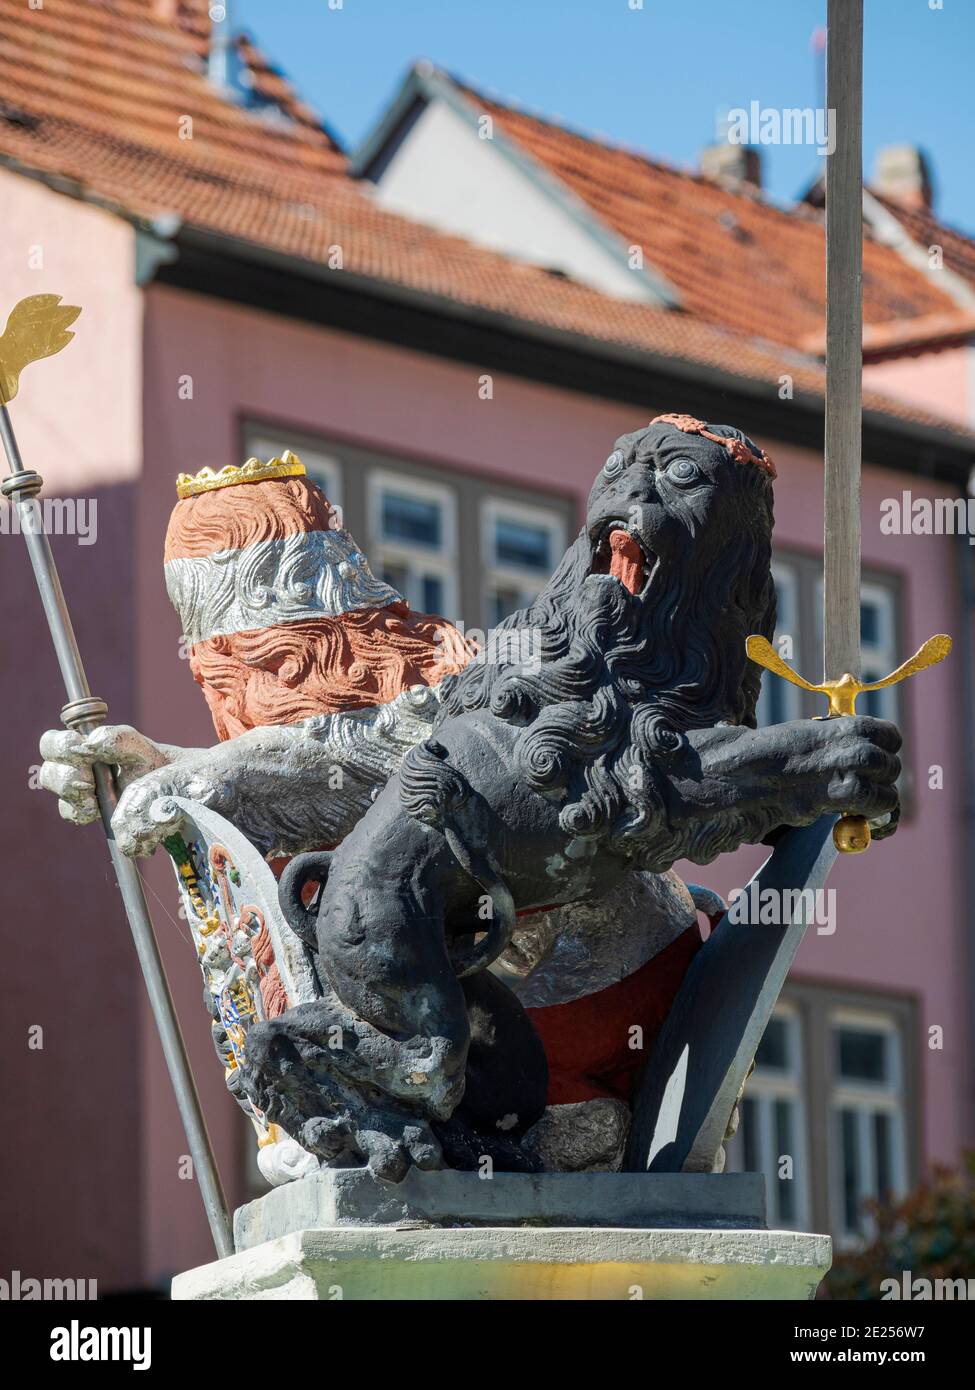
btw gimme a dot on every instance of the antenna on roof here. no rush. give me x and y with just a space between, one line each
817 45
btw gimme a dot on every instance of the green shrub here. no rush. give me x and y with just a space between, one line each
931 1233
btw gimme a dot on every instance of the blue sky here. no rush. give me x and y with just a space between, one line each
654 78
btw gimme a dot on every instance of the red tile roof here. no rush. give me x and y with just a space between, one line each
921 225
906 335
735 258
93 92
112 70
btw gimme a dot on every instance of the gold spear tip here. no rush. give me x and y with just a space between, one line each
37 327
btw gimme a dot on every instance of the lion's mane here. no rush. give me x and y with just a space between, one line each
615 682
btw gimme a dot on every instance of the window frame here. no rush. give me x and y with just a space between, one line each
878 659
323 467
866 1099
356 458
764 1087
817 1006
417 558
890 586
492 508
788 579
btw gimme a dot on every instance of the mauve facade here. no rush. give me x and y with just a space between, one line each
94 1183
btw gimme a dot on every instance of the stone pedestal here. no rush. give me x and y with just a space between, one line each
342 1235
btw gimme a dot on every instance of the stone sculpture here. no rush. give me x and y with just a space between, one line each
494 819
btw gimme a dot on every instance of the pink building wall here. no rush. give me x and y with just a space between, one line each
942 380
105 420
79 413
70 1171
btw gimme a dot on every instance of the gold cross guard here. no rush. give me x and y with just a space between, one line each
851 834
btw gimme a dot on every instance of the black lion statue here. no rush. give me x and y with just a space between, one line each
628 741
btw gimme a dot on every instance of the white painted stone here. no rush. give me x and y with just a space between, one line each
471 1264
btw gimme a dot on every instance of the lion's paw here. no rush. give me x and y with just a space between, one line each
392 1143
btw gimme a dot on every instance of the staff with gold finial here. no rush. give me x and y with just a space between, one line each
844 371
38 327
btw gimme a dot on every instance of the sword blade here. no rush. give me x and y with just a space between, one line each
700 1059
844 337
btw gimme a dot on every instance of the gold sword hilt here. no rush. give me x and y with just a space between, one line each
851 834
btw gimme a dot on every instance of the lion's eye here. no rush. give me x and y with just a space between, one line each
615 464
683 471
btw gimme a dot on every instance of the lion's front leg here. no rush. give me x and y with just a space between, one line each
359 1074
731 786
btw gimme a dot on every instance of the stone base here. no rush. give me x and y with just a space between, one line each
353 1197
389 1262
342 1233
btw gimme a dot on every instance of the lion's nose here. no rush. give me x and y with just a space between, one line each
642 513
640 485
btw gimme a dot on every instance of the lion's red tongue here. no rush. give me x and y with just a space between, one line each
626 563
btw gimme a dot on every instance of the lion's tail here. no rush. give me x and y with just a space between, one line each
483 869
432 791
303 869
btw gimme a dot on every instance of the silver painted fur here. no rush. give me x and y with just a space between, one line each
317 574
286 787
576 950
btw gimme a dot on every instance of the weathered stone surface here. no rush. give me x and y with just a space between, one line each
505 1263
583 947
587 1136
340 1197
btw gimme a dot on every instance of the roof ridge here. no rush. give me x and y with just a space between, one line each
750 192
897 209
308 115
697 230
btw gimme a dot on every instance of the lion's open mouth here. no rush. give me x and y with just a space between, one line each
620 554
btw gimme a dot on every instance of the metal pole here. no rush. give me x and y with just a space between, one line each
85 712
844 337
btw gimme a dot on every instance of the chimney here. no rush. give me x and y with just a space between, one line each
739 163
902 173
729 159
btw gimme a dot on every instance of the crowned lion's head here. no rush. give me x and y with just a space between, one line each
640 633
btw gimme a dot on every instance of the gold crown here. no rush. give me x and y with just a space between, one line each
289 465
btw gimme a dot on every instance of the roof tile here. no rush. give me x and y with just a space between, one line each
735 258
92 91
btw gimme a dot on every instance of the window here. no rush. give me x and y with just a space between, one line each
772 1133
322 468
878 646
833 1090
878 649
799 640
867 1116
521 547
412 539
450 542
779 701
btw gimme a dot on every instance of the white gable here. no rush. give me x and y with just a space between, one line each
444 173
